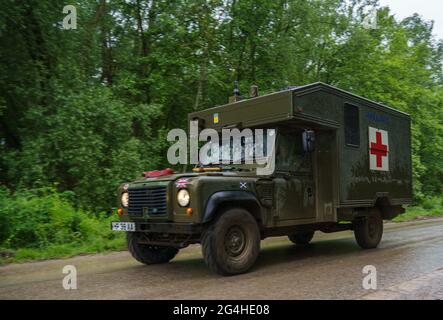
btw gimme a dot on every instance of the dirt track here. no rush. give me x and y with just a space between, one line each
330 268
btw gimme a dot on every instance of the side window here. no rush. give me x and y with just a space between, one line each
302 161
352 126
290 154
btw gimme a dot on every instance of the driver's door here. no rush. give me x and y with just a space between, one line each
294 181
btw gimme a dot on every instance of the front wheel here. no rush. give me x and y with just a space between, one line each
231 243
369 230
148 254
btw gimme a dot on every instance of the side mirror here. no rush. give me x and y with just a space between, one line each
308 140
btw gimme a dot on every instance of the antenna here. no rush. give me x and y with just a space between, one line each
236 91
236 97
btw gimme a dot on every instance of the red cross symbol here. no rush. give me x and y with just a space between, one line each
379 149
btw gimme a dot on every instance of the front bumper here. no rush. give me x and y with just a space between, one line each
168 227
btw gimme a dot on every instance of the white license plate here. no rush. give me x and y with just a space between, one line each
123 226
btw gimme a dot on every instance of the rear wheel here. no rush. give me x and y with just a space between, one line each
149 254
368 230
301 238
231 243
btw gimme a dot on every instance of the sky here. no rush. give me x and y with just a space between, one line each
428 9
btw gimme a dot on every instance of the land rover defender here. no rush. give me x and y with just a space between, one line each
342 162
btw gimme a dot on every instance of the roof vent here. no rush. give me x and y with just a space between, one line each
253 91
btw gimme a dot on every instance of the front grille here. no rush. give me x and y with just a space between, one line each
150 200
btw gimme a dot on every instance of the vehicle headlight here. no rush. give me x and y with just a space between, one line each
183 197
124 199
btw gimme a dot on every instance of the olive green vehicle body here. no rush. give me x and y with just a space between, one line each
338 188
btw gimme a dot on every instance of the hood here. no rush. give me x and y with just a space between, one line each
176 176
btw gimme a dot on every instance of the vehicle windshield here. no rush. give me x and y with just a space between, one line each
242 156
289 154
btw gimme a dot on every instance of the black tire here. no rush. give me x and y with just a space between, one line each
301 238
368 230
148 254
231 243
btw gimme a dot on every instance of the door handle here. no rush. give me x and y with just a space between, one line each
309 191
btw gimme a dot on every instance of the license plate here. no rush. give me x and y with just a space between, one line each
123 226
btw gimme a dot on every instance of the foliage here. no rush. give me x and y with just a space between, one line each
43 223
430 207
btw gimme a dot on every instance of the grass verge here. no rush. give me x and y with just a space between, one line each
56 251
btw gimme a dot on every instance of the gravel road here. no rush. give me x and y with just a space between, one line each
408 263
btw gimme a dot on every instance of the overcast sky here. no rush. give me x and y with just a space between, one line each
428 9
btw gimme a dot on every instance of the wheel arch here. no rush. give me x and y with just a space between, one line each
387 210
221 200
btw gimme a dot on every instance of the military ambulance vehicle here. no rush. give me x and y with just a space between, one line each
342 162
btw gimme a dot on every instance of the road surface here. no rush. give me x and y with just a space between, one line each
409 264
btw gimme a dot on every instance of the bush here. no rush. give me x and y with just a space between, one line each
43 220
428 207
90 145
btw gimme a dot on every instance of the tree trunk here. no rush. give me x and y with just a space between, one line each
100 20
146 43
202 78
